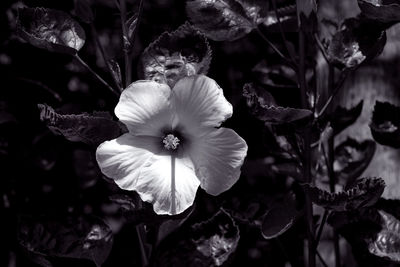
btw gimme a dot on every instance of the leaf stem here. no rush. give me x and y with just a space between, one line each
333 94
83 63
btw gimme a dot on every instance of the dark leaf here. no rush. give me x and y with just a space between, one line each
255 94
172 223
277 76
364 193
77 238
226 20
126 203
50 29
83 10
385 124
386 11
351 159
342 117
279 218
358 40
116 72
91 129
175 55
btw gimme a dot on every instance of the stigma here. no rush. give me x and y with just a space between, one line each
171 142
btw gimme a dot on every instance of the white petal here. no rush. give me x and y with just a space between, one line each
154 184
144 108
199 101
218 156
123 158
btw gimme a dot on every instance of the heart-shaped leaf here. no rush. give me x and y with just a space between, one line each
352 158
175 55
364 193
385 124
226 20
77 238
386 11
91 129
341 118
50 29
358 40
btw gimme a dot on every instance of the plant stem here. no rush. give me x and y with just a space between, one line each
333 94
126 44
140 233
83 63
272 45
321 227
173 189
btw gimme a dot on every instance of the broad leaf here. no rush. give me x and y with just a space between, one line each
385 124
91 129
358 40
226 20
175 55
364 193
343 117
50 29
77 238
279 218
386 11
352 158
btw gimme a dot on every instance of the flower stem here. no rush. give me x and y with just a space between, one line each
173 189
83 63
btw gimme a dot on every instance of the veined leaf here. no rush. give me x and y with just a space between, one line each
364 193
385 124
50 29
223 20
175 55
386 11
343 117
91 129
358 40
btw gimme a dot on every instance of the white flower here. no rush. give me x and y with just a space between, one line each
173 145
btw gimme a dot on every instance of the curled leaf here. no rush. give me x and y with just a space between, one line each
50 29
358 40
91 129
352 158
364 193
226 20
385 124
385 11
343 117
175 55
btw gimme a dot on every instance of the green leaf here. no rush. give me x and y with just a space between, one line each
358 40
341 118
364 193
175 55
385 124
386 11
226 20
50 29
78 238
91 129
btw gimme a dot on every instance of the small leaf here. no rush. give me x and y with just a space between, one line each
226 20
342 117
364 193
279 218
358 40
50 29
91 129
385 124
386 11
83 10
78 238
116 72
352 158
175 55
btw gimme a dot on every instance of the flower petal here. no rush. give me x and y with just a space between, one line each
218 156
199 101
144 108
123 158
154 184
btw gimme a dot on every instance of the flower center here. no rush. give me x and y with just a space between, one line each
171 142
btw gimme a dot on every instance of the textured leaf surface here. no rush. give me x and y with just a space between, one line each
385 124
50 29
91 129
364 193
223 20
78 238
175 55
385 11
343 117
357 40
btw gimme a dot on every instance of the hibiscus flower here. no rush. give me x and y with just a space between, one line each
174 144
